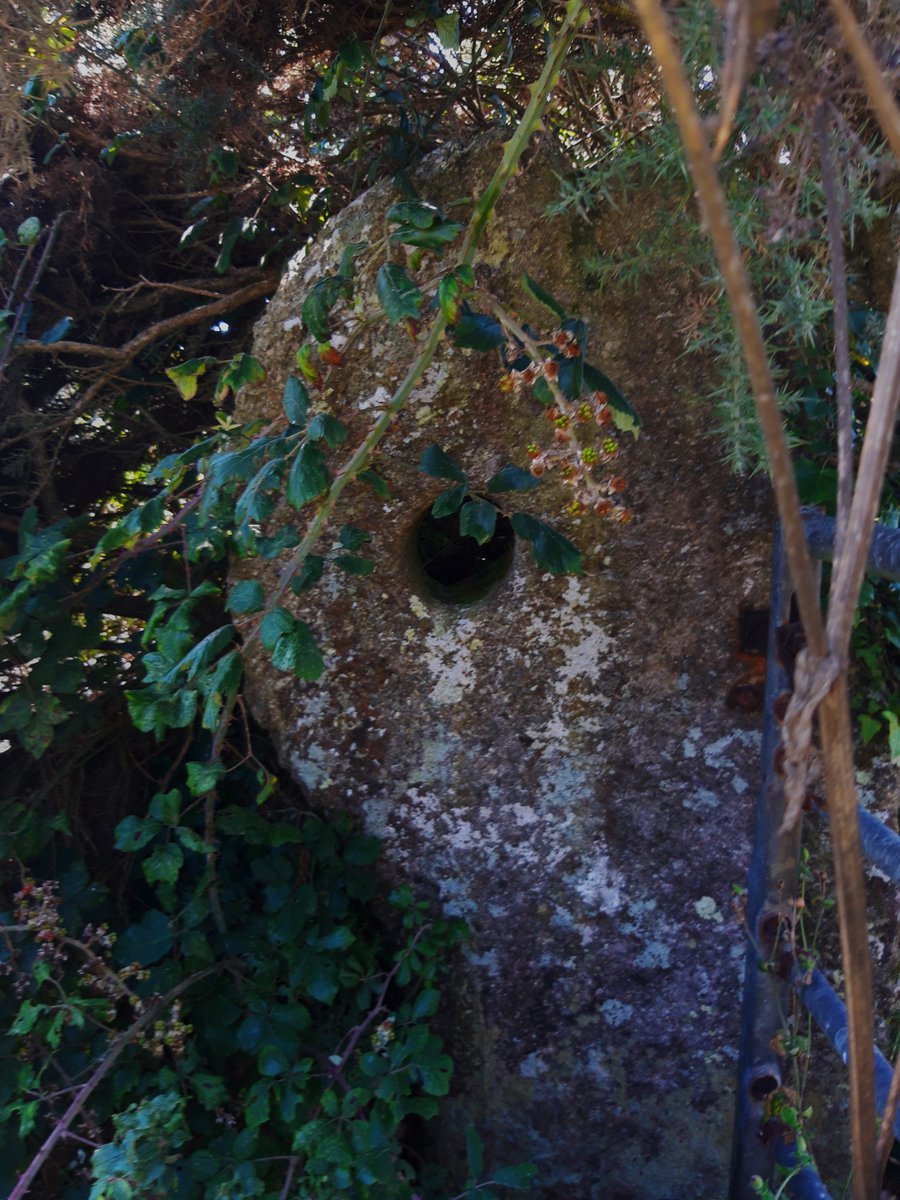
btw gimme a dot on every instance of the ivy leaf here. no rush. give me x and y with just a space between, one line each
133 833
295 401
165 806
551 550
450 501
164 864
418 213
535 290
439 465
624 416
477 331
202 777
351 564
200 656
324 425
397 294
186 374
309 476
246 597
478 519
352 538
257 1105
242 370
513 479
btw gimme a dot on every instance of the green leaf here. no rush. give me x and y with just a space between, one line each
447 26
351 564
477 331
324 425
478 519
28 231
379 486
426 1004
449 290
450 501
435 238
350 55
257 1105
296 651
418 213
551 550
295 401
247 596
223 682
513 479
348 256
242 370
272 1062
519 1177
202 777
199 658
133 833
439 465
309 574
273 625
352 538
624 416
340 938
186 374
147 941
397 294
535 290
308 477
164 864
166 806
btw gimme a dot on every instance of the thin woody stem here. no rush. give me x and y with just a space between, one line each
837 741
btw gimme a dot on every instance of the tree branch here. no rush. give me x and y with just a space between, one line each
147 1017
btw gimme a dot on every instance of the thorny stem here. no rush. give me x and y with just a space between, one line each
886 1133
107 1062
837 742
512 153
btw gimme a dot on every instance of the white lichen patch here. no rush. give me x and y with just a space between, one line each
447 657
599 886
707 910
616 1013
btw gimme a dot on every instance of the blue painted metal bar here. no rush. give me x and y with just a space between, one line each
830 1014
884 553
880 845
773 865
806 1184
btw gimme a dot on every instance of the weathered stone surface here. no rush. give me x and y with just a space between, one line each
555 763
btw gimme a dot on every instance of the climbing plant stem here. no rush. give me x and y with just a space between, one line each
576 15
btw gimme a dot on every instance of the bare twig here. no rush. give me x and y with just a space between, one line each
843 406
107 1062
888 1117
837 742
878 92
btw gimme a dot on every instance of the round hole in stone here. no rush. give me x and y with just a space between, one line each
453 567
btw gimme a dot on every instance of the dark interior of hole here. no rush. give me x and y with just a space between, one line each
762 1086
753 630
460 569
